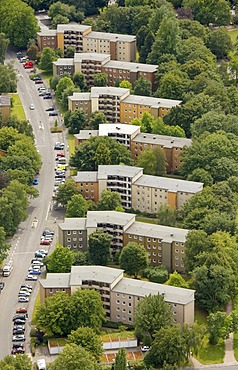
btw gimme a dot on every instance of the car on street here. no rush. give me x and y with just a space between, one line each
21 309
18 345
35 181
40 255
22 293
58 146
34 268
30 278
33 272
47 96
18 331
42 88
60 154
18 317
19 338
2 284
50 109
38 82
53 114
23 299
145 349
48 232
36 78
29 287
19 322
43 251
45 242
18 350
37 263
32 107
21 327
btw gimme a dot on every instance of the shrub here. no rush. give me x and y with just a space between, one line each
158 274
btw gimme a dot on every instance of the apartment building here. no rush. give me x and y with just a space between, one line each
120 47
5 107
119 106
137 142
92 63
144 193
119 295
164 244
103 99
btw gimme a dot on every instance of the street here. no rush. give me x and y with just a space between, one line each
40 211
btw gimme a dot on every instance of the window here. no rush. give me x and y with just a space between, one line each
51 290
118 295
68 232
118 302
118 308
74 232
68 239
118 316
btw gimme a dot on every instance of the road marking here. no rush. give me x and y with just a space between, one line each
34 224
48 210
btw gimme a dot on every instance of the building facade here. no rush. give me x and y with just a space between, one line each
137 142
84 40
144 193
119 295
119 106
164 245
117 71
5 107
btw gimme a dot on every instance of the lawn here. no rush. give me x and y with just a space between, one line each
17 109
200 315
233 35
211 354
46 76
71 144
36 306
146 220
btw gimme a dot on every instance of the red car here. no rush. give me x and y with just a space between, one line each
21 310
45 242
60 155
20 350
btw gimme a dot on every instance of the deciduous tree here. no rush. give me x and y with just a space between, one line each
153 161
143 87
76 207
109 200
175 279
62 85
60 260
66 191
46 59
20 362
87 339
96 119
3 46
99 248
133 259
100 79
121 360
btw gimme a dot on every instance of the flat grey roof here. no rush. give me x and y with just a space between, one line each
153 102
144 288
120 128
72 27
172 185
165 233
73 223
86 134
98 273
5 101
79 57
117 170
47 32
59 280
110 36
84 176
113 91
64 62
133 67
162 140
80 96
108 217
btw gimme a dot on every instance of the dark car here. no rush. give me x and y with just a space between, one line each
50 109
19 317
52 114
22 309
19 55
34 272
18 350
48 232
18 345
18 331
26 286
19 322
36 78
2 284
47 96
38 82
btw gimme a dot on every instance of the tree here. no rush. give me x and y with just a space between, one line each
220 42
46 59
147 46
153 161
175 279
166 216
121 361
143 87
80 81
3 46
217 328
80 258
32 52
66 191
133 259
96 119
109 200
87 158
19 362
69 53
60 260
18 22
99 248
63 84
173 85
168 346
76 207
4 247
59 19
74 357
196 244
152 313
87 339
127 85
234 66
54 82
157 274
8 78
65 94
216 12
100 79
76 120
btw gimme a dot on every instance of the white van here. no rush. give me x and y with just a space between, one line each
41 365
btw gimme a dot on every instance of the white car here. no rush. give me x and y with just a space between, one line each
32 107
24 289
145 349
37 263
18 338
34 268
23 293
23 299
31 278
42 251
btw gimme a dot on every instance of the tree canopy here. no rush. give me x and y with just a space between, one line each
133 259
88 339
99 248
60 260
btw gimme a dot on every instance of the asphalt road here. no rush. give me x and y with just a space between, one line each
40 211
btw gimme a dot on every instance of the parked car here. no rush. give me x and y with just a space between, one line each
30 278
45 242
20 317
19 350
42 88
21 309
38 82
145 349
50 109
47 96
40 255
60 154
34 272
17 345
19 321
32 107
22 293
53 114
35 181
22 327
34 268
43 251
36 78
19 338
2 284
48 232
58 146
26 286
23 299
37 263
18 331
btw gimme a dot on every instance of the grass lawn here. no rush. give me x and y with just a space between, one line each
46 76
211 354
17 109
146 220
233 34
37 304
200 315
71 144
